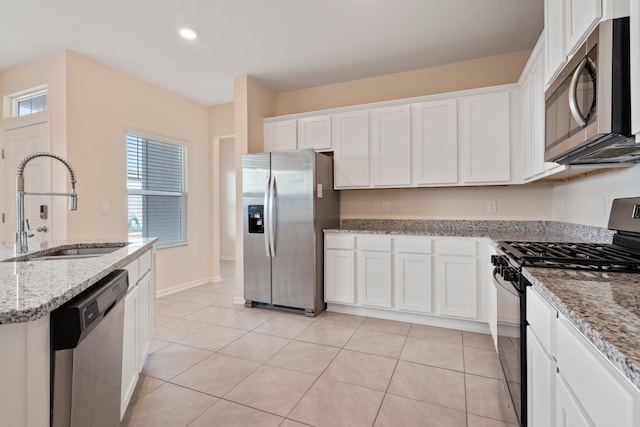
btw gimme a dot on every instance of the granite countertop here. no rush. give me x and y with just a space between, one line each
604 307
549 231
32 289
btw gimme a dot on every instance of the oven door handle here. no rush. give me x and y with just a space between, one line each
511 288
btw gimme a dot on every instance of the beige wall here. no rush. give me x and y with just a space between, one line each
252 103
483 72
221 120
51 71
102 105
227 211
525 202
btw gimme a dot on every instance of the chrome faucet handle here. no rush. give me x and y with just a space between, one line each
29 232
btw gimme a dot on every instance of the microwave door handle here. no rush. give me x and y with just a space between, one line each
573 87
266 216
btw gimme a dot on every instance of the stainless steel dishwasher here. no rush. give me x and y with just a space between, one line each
86 355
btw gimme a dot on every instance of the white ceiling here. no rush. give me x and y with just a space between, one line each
284 44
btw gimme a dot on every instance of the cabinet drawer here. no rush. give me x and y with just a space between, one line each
414 246
608 398
145 263
457 247
380 244
339 241
133 270
542 320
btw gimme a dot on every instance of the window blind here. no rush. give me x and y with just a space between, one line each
157 187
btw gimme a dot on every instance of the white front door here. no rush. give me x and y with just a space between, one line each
18 141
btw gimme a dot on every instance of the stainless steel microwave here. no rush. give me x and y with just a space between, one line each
588 105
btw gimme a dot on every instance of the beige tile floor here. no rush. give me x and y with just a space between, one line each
213 363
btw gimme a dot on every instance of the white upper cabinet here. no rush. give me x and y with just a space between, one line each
635 67
351 149
486 139
554 28
434 136
280 135
533 115
315 132
391 146
567 23
580 17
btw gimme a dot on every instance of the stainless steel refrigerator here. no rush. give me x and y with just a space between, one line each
288 199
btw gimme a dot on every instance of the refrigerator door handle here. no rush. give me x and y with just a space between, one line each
266 211
272 215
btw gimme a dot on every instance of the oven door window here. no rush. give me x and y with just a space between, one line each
565 120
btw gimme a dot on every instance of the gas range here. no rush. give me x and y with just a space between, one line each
621 255
575 256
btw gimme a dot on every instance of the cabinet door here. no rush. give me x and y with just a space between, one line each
374 279
555 44
145 322
581 16
635 67
351 149
391 145
457 286
537 117
339 276
541 372
129 348
569 413
314 132
527 127
280 136
412 282
435 142
486 138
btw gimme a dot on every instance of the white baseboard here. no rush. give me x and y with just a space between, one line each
217 278
422 319
227 258
183 286
238 300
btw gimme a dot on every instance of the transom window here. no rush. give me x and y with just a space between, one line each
157 189
30 102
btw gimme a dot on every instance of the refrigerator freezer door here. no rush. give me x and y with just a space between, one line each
257 263
294 258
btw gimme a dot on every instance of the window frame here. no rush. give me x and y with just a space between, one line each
34 92
184 196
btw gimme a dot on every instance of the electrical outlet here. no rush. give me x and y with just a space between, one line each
385 206
104 208
492 206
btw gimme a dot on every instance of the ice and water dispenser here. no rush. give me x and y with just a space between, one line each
256 219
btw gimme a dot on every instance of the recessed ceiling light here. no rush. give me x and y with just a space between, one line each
188 33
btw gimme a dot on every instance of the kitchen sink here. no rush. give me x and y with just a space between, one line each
74 253
70 253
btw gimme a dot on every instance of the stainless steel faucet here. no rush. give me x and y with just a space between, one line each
21 237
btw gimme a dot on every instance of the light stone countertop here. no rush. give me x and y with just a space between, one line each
604 307
32 289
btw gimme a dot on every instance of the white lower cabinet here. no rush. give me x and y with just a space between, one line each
569 413
457 278
139 311
569 382
339 276
541 373
129 348
400 276
412 282
374 278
